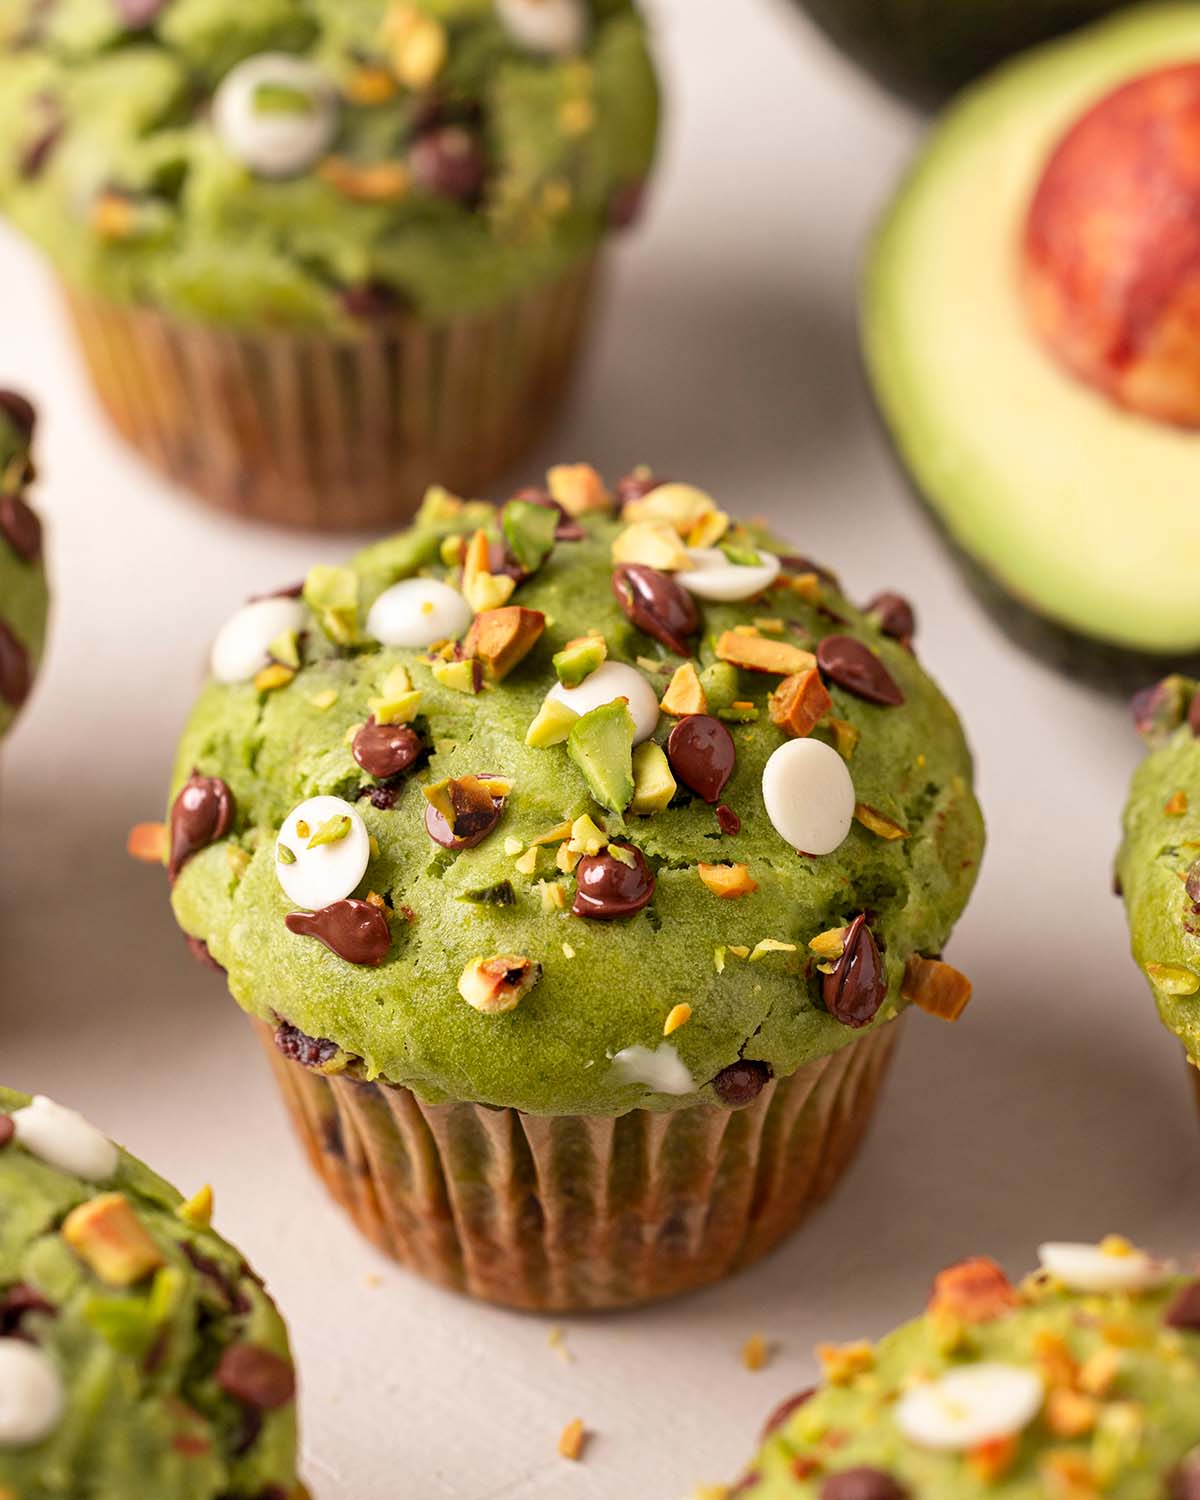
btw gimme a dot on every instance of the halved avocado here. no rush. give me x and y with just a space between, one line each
924 50
1085 514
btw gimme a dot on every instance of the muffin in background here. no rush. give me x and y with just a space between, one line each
1158 864
1082 1381
139 1354
563 1017
319 255
24 598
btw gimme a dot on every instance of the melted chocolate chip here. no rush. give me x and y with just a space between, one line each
308 1051
198 948
728 821
16 670
850 664
637 486
256 1377
656 604
202 813
741 1082
895 615
857 987
386 750
607 888
15 1306
354 930
7 1129
797 565
383 797
702 755
448 162
19 411
474 818
1184 1311
785 1409
20 528
862 1484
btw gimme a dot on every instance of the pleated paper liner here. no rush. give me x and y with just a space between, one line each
573 1213
336 433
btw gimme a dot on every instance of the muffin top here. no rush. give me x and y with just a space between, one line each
321 163
1158 866
430 818
135 1344
23 597
1083 1382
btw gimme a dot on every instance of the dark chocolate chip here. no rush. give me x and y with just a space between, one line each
895 615
1193 717
386 750
308 1051
850 664
383 797
371 301
20 528
798 565
728 821
256 1377
607 888
19 411
288 591
862 1484
474 818
16 669
448 162
1160 709
626 204
857 987
637 486
1184 1482
656 604
15 1306
1184 1311
7 1129
37 151
1192 884
138 14
741 1082
198 948
355 930
785 1409
202 813
702 755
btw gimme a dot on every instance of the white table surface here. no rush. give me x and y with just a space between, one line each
1057 1107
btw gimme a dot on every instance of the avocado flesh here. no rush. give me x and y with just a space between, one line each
1084 513
925 51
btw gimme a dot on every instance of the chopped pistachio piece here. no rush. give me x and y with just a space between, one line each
1173 979
653 783
332 595
681 506
527 864
402 709
829 944
324 699
601 745
578 659
286 855
464 676
653 544
770 945
552 725
879 823
685 694
332 831
720 685
496 985
587 837
285 649
529 531
273 677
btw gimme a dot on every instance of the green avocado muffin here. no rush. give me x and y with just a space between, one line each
1080 1383
138 1351
350 241
430 818
1158 865
24 599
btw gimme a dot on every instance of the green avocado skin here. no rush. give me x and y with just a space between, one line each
1158 1380
605 986
124 1429
96 107
24 598
1157 850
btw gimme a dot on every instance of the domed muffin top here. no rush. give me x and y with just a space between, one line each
429 815
321 163
1084 1381
23 596
138 1352
1158 866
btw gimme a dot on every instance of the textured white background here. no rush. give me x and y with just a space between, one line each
1057 1107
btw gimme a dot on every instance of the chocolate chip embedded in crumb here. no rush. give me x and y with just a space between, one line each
308 1051
862 1484
20 528
448 162
19 411
607 888
371 302
1184 1311
15 1306
201 814
476 812
857 987
657 605
728 821
16 669
895 616
355 930
386 750
702 755
7 1129
256 1377
198 948
638 485
741 1082
1160 709
1184 1482
853 666
785 1409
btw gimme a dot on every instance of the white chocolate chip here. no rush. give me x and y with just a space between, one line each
713 576
275 143
32 1399
317 877
1102 1268
242 646
64 1139
975 1404
556 27
417 612
612 680
662 1071
809 795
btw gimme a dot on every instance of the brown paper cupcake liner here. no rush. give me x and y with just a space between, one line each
573 1213
315 430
